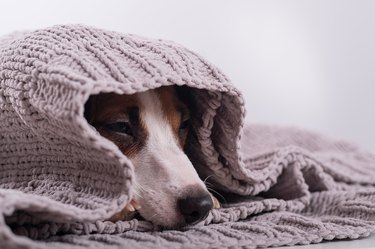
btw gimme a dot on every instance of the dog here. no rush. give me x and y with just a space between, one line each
151 129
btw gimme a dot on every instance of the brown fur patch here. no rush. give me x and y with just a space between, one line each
175 111
105 108
108 107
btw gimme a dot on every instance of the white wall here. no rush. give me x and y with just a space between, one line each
305 63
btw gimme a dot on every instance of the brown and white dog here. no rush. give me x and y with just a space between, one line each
151 128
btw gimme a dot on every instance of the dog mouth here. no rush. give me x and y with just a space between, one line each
131 211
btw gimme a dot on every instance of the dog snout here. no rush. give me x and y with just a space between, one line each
195 209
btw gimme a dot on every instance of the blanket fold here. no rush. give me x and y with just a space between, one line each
59 178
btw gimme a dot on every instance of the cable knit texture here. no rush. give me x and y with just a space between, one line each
59 177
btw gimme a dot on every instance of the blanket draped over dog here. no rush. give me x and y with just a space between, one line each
59 178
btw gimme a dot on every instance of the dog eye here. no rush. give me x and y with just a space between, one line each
185 124
120 127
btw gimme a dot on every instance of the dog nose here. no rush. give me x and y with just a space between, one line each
195 209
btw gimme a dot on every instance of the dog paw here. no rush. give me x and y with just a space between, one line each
128 213
216 203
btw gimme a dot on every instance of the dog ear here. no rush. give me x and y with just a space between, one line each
90 108
185 94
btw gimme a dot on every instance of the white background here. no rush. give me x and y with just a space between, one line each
303 63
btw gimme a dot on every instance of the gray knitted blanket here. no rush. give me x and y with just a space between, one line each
59 178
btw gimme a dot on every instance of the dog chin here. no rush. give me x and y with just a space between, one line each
165 220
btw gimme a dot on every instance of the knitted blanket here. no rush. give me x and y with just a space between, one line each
59 179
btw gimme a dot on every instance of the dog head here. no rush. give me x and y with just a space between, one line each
151 128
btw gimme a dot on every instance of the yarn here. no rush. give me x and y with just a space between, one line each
59 178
